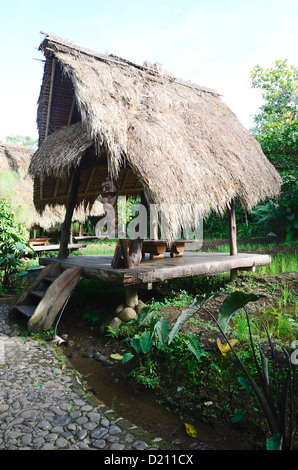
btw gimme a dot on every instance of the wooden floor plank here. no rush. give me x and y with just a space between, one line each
191 264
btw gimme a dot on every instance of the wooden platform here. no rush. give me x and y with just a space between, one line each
191 264
74 246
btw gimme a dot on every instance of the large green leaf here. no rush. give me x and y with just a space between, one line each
146 342
163 329
194 345
144 315
265 368
127 357
190 311
232 303
136 343
238 415
244 382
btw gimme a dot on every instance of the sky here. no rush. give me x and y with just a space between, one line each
214 43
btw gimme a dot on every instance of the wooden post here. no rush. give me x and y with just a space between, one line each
233 237
133 255
232 229
50 96
131 296
65 227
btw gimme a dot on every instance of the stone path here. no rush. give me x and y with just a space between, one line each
43 406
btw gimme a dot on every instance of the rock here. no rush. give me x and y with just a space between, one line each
115 323
127 314
89 355
61 442
139 307
41 409
119 309
103 359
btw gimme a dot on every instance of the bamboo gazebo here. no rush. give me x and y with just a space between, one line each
172 142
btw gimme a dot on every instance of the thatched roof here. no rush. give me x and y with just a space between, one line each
175 140
16 185
16 159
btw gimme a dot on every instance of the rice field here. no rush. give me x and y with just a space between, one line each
280 262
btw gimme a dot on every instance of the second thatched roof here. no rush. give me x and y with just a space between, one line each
16 185
148 130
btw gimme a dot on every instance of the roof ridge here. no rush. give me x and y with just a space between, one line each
124 62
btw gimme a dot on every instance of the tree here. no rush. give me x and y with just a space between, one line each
26 140
13 240
276 129
276 124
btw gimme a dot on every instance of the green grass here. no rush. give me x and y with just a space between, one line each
280 264
96 248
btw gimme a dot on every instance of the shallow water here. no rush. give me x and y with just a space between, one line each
109 385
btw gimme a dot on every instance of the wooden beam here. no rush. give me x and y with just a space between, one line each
125 179
66 226
50 96
89 179
71 111
40 188
56 187
233 237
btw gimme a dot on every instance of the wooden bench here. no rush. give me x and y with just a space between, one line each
157 248
39 241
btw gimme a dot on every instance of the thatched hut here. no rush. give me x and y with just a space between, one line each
173 141
17 185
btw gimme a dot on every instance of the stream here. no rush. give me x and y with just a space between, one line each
139 406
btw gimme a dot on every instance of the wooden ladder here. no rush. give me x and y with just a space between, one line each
45 297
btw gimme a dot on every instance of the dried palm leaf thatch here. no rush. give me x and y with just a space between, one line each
15 158
14 164
183 143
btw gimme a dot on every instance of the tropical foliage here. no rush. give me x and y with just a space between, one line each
276 129
13 240
26 140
